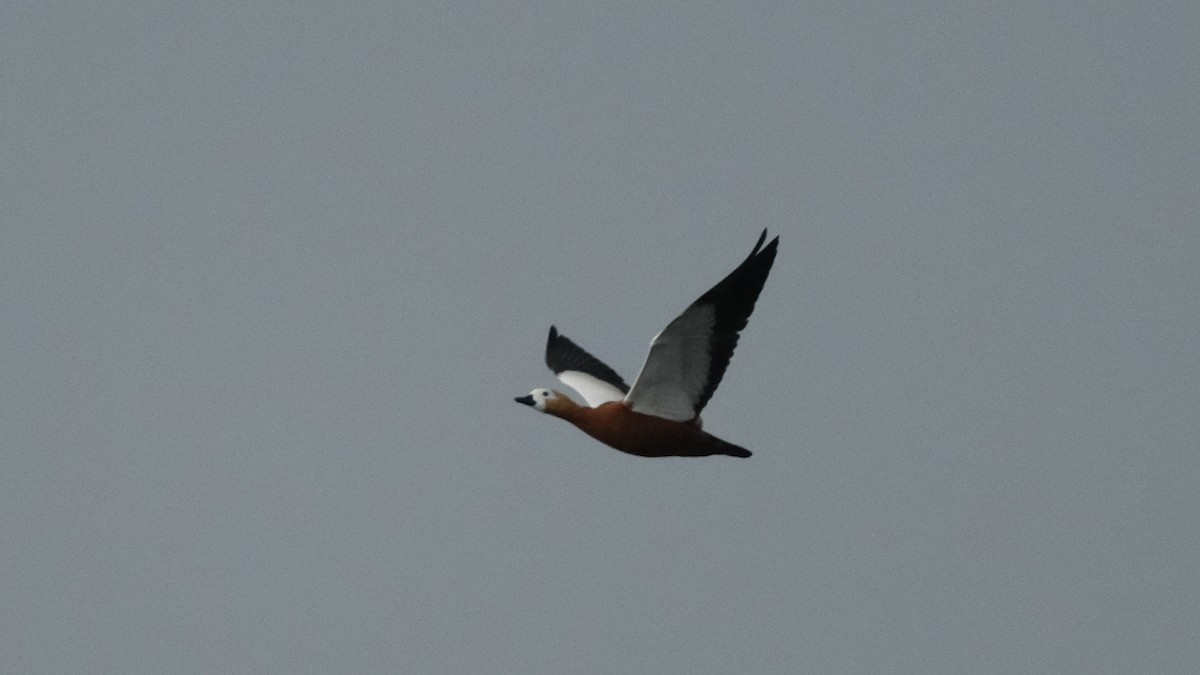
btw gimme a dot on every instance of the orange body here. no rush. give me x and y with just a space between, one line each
615 425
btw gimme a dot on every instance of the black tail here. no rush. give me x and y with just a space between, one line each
721 447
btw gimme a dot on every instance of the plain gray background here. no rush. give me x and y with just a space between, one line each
272 273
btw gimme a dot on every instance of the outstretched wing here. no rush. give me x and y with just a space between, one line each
688 358
581 371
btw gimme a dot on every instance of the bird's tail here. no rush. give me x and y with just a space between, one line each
721 447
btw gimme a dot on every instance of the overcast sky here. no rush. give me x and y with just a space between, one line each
271 274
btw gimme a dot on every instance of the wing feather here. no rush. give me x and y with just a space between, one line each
687 360
579 370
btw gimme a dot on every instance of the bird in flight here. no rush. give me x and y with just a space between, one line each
659 416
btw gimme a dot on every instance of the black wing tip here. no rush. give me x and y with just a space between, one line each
553 341
556 343
758 246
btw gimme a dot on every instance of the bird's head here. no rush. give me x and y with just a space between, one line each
539 399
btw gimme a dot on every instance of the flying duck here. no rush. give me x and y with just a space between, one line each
659 416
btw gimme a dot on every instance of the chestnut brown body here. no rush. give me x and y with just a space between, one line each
617 426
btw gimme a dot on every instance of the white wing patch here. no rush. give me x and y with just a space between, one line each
676 370
593 390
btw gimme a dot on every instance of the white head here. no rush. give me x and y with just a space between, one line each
538 398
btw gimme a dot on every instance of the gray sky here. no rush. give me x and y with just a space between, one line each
272 273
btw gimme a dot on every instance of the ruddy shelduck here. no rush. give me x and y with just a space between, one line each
659 416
